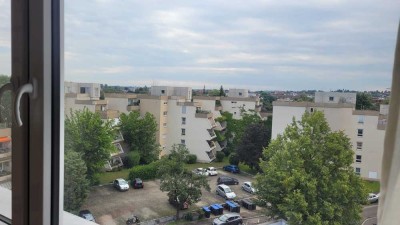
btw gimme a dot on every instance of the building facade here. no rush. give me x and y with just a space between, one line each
366 129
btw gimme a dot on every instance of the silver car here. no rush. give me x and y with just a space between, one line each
228 219
225 192
247 186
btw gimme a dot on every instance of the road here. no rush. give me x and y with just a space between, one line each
369 214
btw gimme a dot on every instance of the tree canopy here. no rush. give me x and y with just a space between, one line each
5 107
140 133
267 99
255 138
76 186
364 102
88 134
182 186
307 175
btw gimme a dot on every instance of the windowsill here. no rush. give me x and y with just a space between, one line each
5 210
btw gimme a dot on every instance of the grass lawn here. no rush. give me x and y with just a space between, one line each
108 177
372 186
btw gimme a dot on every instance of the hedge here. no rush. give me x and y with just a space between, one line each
144 172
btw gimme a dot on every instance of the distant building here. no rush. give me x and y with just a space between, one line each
366 129
5 157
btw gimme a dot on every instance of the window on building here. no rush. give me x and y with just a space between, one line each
82 90
361 119
311 109
165 103
234 113
183 109
331 98
358 170
359 145
240 93
183 120
164 124
360 132
162 91
358 158
183 142
183 131
165 113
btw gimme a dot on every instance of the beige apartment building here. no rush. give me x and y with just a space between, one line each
183 119
366 129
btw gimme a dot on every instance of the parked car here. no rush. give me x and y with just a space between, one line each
137 183
227 180
228 219
200 171
225 192
87 215
121 184
247 186
212 171
372 198
232 168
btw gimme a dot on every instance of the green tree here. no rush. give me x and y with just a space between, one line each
364 101
221 91
267 99
140 133
308 178
5 107
86 133
76 186
213 92
256 137
182 185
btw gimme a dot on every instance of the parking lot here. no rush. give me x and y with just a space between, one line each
111 207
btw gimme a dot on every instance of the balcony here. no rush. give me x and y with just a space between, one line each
5 175
211 133
382 122
223 144
203 114
211 144
258 108
5 152
131 108
211 154
220 125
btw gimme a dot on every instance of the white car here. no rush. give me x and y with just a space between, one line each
211 171
225 192
247 186
121 184
200 171
372 198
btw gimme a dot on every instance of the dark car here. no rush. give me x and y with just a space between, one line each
228 219
227 180
87 215
137 183
232 168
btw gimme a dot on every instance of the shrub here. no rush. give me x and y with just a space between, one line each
95 179
132 159
145 172
191 159
220 156
234 159
188 216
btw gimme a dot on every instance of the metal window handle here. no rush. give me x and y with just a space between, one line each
26 88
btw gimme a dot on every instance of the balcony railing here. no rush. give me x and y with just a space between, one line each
211 154
130 108
109 114
4 150
203 114
211 133
5 175
211 144
258 108
220 125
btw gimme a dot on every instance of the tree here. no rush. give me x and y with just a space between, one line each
267 99
86 133
213 92
5 107
255 138
364 101
140 133
76 186
308 178
221 91
183 186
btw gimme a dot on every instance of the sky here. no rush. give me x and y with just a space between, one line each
258 44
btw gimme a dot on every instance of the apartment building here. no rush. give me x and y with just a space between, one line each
366 129
5 157
185 120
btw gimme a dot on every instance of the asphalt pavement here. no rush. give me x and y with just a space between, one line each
369 215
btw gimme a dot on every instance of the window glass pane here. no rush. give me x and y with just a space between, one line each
5 109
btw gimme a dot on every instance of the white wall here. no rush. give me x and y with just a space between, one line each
324 97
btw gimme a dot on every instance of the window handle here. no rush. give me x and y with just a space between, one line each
4 88
26 88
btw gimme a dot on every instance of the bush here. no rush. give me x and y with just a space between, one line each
188 216
95 179
234 159
192 159
145 172
132 159
220 156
